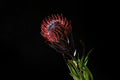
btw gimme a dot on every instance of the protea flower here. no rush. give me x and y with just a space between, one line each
57 31
55 28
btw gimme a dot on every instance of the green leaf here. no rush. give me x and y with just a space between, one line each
75 78
86 60
79 64
89 73
72 68
86 76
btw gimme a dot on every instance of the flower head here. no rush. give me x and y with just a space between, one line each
55 28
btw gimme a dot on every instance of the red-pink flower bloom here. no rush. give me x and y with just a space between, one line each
55 28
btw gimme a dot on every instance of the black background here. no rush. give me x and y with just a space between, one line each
23 52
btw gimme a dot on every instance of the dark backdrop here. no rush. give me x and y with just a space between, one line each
23 52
